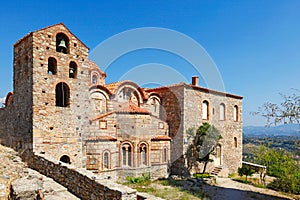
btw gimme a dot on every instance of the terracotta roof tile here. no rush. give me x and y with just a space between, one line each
102 138
161 137
112 87
131 108
101 116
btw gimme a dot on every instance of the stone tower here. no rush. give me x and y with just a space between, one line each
51 85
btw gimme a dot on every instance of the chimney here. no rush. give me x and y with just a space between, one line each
195 80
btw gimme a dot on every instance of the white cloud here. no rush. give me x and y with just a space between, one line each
2 100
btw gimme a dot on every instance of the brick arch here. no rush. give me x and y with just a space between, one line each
59 37
103 159
62 94
147 153
124 151
205 110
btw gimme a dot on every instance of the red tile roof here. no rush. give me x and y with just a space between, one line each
102 138
112 87
131 108
161 137
101 116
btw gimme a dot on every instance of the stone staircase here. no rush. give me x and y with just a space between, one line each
216 171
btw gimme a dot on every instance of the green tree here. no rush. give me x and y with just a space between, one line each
204 141
278 161
281 165
247 171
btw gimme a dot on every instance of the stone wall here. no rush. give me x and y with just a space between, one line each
84 184
182 108
231 155
57 131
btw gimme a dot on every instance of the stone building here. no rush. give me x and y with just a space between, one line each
62 107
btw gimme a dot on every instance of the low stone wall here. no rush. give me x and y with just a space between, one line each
82 183
156 171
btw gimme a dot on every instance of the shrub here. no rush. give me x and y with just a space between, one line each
141 179
205 175
247 171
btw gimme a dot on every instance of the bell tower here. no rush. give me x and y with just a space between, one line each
59 87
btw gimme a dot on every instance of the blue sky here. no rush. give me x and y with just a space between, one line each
255 44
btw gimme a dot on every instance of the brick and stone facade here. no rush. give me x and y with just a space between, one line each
61 107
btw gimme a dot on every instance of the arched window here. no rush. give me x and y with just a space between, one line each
235 142
165 155
106 162
126 154
235 113
52 66
62 43
143 154
72 70
62 95
154 106
65 159
222 111
94 79
205 110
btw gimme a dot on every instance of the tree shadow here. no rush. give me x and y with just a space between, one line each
202 190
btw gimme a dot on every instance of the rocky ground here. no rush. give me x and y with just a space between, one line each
19 182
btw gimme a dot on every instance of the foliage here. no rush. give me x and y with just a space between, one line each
143 179
205 175
204 141
278 161
247 171
288 183
281 165
288 111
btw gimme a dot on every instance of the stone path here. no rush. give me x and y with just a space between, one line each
232 190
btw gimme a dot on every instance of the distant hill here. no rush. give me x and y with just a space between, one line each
281 130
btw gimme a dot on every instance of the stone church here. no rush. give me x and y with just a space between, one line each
62 107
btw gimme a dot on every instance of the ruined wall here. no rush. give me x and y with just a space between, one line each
22 100
84 184
7 121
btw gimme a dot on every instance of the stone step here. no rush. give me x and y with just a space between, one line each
216 171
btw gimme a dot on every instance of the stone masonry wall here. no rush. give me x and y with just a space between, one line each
231 155
84 184
57 131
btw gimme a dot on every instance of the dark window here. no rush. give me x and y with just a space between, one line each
52 66
165 156
106 160
72 70
62 95
62 43
235 142
65 159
